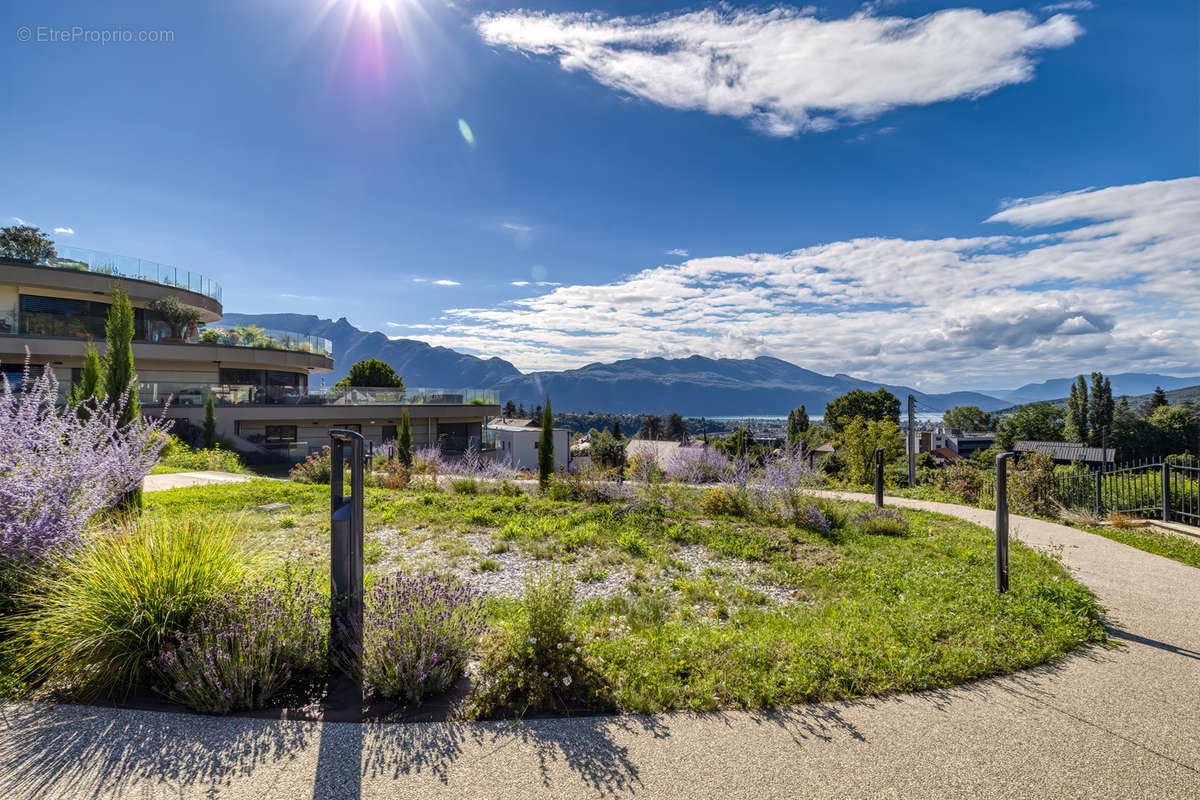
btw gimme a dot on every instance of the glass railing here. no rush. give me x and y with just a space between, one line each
41 324
195 394
253 336
85 260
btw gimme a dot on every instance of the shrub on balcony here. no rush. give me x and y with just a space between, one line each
179 316
211 335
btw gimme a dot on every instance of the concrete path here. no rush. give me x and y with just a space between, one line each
176 480
1107 722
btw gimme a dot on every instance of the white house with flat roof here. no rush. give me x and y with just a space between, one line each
519 444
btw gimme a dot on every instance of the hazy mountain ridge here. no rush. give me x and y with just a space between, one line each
694 386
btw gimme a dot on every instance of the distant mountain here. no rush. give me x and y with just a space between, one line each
1138 402
1127 383
419 363
695 386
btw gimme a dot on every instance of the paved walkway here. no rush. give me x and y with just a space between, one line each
1108 722
176 480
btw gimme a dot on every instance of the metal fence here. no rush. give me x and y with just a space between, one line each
1167 489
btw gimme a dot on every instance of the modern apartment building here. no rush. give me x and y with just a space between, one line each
259 379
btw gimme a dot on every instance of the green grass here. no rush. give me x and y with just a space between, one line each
1161 543
868 614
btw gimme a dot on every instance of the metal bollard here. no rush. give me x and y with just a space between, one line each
346 551
879 476
1002 522
1165 483
1099 493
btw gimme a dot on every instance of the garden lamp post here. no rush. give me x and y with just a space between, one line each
346 551
879 477
1002 522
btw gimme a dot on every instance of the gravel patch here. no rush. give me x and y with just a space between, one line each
512 565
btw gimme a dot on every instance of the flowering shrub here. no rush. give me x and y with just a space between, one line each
243 648
418 633
317 468
100 612
786 476
696 465
538 660
724 501
882 522
816 521
643 466
476 465
59 468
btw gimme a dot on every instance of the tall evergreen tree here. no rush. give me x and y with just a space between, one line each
404 449
1157 400
89 390
119 374
797 424
676 429
1100 414
1075 429
210 422
617 429
119 378
546 447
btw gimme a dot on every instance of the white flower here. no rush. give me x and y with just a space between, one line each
559 645
566 680
545 674
572 659
572 637
578 649
532 640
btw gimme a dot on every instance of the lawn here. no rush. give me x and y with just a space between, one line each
683 606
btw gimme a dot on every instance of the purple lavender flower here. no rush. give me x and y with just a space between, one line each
701 464
58 469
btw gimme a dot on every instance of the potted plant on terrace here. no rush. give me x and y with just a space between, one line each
179 316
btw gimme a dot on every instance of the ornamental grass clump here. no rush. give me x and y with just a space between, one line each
539 660
882 522
59 466
101 612
418 633
243 649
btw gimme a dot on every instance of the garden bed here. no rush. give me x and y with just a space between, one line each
682 600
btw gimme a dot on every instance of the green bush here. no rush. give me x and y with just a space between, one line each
464 486
314 469
539 660
100 613
181 457
882 522
725 501
243 649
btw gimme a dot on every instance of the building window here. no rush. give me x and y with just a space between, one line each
356 427
281 434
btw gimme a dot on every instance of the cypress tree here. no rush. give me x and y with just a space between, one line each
119 379
89 390
546 447
1100 416
404 440
1076 427
797 424
119 374
210 423
617 429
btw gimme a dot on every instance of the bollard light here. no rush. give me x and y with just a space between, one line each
879 477
1002 522
346 552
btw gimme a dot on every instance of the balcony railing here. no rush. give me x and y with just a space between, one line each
12 324
85 260
194 394
265 338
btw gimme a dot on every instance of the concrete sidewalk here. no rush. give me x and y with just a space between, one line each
1107 722
176 480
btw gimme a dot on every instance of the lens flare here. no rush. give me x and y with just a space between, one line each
465 130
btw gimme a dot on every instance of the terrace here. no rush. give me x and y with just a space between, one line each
82 259
193 394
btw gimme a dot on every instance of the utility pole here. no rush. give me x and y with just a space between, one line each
912 442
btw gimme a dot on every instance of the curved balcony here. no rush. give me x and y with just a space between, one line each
81 259
265 338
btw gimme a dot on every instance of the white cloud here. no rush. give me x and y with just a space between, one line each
677 251
1115 286
67 231
18 220
520 283
1073 5
512 226
418 280
784 69
446 282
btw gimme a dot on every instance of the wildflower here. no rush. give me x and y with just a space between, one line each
559 645
566 680
572 659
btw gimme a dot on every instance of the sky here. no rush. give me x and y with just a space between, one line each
944 195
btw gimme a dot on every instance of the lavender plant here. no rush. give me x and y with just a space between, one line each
696 465
245 647
882 522
786 478
417 635
59 468
816 521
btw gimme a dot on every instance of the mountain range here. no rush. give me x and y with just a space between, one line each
693 386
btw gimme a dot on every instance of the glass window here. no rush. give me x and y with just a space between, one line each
58 316
281 434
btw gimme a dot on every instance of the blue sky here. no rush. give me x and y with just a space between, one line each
849 187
